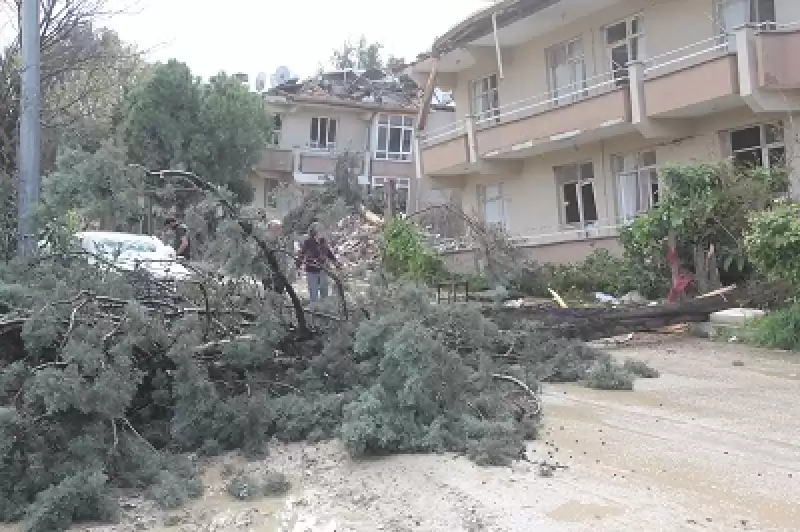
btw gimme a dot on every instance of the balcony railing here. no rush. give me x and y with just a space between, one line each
688 55
443 133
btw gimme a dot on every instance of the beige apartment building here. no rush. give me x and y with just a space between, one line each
315 124
567 108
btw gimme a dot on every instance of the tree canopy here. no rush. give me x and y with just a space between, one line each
217 129
361 55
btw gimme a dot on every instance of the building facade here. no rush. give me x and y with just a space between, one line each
313 130
566 109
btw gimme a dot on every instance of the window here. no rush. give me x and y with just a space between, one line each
484 98
576 185
637 183
323 133
493 205
270 193
734 13
624 43
277 127
566 71
760 145
394 137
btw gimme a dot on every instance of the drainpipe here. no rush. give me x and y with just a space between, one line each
497 46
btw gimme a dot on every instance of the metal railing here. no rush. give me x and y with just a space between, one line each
700 49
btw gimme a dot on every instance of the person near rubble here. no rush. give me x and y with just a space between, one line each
314 255
181 242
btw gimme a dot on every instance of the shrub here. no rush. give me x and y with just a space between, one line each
244 487
606 375
79 497
780 329
405 254
275 484
772 241
640 369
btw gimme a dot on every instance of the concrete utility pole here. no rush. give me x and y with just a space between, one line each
30 129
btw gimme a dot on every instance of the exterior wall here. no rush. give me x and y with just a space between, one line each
351 129
525 66
777 60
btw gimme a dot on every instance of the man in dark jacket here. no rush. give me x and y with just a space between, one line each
315 255
182 245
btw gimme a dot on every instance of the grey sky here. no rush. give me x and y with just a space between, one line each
260 35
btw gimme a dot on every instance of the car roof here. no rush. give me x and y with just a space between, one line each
114 235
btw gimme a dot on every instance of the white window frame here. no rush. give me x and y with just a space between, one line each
576 61
751 12
327 124
484 99
277 130
620 72
493 194
383 151
641 168
564 179
766 147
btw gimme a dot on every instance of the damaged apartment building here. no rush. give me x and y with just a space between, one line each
566 109
369 114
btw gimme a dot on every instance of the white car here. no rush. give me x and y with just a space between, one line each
129 252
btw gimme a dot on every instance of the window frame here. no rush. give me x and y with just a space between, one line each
576 90
332 126
563 179
752 14
764 147
483 199
491 95
640 169
384 153
277 130
620 74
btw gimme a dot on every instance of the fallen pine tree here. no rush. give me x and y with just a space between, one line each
101 389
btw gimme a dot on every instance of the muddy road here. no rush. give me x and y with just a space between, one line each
714 444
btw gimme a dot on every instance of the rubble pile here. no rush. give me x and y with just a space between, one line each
357 243
365 86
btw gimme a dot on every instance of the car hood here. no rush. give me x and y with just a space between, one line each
159 265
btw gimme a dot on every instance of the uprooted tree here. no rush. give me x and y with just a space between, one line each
102 388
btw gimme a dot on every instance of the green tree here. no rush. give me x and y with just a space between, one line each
216 130
362 55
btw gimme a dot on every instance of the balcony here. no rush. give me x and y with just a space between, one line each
276 160
384 168
778 50
693 80
316 166
597 108
446 151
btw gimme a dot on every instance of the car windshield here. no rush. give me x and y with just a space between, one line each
112 246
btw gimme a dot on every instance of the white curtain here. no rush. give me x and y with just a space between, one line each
627 184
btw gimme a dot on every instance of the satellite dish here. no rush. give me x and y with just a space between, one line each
281 76
261 81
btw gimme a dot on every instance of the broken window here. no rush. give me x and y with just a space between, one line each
323 133
637 183
277 127
566 71
493 205
270 193
394 136
576 182
758 146
485 99
625 43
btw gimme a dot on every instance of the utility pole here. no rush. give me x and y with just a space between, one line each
29 130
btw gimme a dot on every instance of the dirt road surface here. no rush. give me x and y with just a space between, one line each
714 444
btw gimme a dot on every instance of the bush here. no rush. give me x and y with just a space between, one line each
772 241
606 375
640 369
245 487
405 254
275 484
780 329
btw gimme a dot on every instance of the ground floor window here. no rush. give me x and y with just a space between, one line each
637 183
758 146
577 196
493 205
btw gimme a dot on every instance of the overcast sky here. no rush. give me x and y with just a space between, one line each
260 35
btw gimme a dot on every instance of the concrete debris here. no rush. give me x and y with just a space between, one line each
356 242
382 87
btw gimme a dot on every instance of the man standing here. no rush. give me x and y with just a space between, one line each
315 254
182 245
